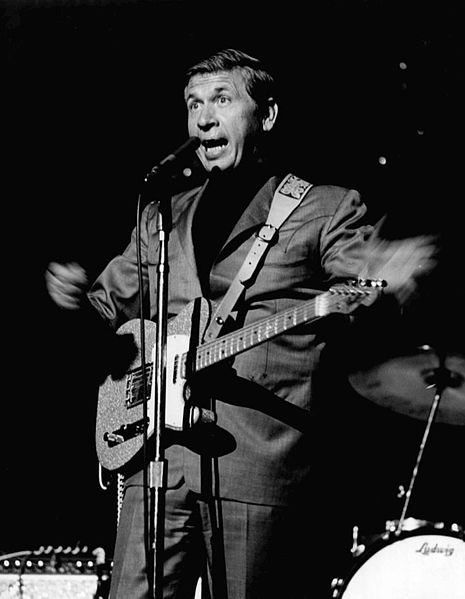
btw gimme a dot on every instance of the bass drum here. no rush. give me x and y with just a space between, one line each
425 562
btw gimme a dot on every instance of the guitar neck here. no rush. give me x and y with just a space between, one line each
251 335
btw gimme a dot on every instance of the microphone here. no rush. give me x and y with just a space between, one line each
169 161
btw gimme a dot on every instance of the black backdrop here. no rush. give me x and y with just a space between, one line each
371 98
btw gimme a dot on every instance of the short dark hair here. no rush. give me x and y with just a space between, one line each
259 81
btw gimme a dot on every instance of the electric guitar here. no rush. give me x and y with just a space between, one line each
121 416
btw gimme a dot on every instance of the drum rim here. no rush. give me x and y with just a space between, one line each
413 524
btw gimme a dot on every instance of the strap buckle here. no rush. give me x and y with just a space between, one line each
267 233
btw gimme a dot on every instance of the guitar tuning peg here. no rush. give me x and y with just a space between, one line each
372 283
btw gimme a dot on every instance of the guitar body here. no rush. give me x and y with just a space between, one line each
120 407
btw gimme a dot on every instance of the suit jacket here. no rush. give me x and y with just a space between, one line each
261 449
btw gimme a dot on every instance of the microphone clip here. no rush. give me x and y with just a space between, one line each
165 166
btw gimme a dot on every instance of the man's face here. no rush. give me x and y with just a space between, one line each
224 117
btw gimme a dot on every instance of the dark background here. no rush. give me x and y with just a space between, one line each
92 98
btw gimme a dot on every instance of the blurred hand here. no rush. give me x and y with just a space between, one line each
66 284
400 262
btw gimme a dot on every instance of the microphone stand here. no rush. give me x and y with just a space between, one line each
155 470
157 466
154 466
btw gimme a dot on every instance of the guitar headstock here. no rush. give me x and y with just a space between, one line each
346 297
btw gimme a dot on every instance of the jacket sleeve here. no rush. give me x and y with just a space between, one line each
343 236
115 293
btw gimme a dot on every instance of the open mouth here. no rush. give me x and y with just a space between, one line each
213 147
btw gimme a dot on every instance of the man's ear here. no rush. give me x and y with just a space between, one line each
271 114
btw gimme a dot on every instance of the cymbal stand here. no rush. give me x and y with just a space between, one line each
440 382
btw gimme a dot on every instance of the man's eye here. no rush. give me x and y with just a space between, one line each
223 100
193 106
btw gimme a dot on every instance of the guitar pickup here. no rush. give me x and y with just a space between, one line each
135 386
125 432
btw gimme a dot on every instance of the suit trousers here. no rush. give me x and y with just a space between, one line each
241 550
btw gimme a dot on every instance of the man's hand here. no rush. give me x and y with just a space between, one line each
400 262
66 284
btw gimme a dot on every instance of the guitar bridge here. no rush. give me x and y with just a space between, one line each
125 432
135 386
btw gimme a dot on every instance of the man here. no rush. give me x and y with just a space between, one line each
249 501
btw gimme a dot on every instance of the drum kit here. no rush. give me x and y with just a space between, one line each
411 558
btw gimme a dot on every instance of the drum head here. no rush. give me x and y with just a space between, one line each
419 566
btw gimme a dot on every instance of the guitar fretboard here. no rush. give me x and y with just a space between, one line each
236 342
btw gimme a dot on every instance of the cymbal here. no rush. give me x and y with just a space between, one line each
407 384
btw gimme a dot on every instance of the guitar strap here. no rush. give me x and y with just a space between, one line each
287 197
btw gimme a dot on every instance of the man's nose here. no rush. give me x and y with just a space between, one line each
207 117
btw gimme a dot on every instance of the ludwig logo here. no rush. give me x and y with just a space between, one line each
427 549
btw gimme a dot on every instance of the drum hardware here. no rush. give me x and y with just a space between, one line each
411 524
336 586
357 548
439 380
